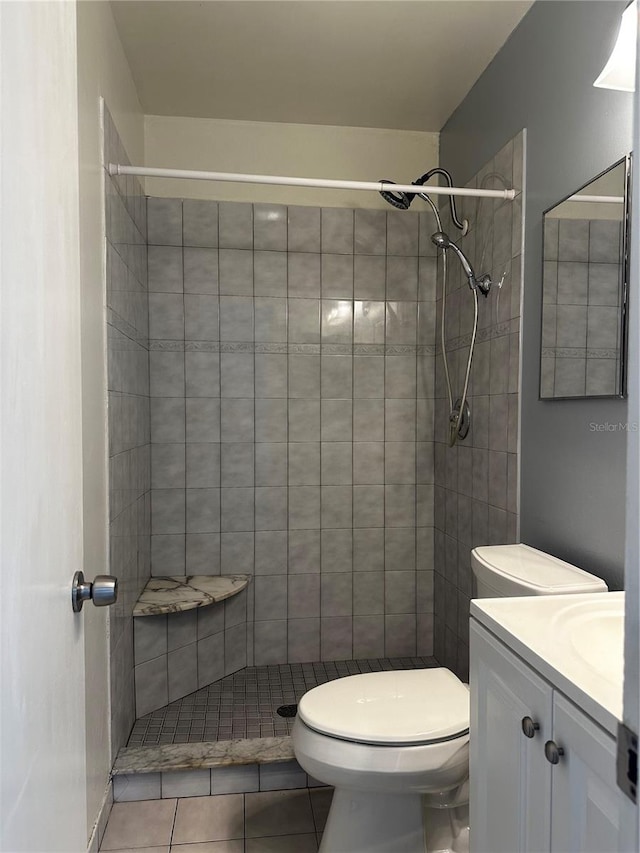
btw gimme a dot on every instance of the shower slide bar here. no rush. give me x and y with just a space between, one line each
282 180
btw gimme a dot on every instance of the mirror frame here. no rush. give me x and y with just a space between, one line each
624 286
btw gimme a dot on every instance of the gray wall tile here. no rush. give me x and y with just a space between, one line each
164 221
270 273
257 502
304 229
304 549
237 418
165 269
337 230
236 272
371 232
199 222
303 274
200 271
337 274
202 374
337 550
270 227
235 225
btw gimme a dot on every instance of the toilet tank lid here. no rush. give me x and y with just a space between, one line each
534 569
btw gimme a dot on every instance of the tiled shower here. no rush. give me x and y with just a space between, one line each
127 319
291 355
476 482
292 391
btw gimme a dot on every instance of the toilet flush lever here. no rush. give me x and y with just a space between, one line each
529 728
103 591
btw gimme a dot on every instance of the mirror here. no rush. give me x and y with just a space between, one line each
584 289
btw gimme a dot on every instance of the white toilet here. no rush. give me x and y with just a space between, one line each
392 742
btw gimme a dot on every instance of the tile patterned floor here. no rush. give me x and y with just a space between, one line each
268 822
244 705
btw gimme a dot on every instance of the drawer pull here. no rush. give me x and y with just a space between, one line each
529 728
553 752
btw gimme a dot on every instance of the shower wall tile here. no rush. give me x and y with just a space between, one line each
304 229
475 493
200 223
270 227
129 267
287 440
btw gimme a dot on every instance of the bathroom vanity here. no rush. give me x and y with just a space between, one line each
546 685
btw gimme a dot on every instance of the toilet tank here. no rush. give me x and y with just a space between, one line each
512 570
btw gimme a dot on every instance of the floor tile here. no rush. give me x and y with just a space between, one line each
215 818
278 812
244 705
143 824
306 843
320 804
163 849
235 845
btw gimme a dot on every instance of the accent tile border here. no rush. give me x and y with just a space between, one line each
299 349
579 352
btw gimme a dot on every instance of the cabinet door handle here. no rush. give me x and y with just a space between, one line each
529 728
553 752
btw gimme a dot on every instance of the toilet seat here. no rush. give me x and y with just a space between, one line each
394 708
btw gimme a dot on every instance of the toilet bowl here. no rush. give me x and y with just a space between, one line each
383 739
395 744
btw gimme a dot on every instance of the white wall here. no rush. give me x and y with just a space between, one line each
573 479
102 70
350 153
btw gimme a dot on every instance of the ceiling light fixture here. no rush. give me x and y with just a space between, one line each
620 71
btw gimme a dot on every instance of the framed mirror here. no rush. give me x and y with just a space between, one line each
584 289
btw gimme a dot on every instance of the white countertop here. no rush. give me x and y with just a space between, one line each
558 637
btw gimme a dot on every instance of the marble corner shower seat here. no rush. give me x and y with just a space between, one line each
189 630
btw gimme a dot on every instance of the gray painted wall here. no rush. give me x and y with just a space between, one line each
573 478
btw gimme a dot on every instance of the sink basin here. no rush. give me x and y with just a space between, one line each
594 631
575 641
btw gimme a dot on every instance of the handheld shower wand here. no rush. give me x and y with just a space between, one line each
459 413
483 284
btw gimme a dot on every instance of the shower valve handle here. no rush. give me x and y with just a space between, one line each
484 284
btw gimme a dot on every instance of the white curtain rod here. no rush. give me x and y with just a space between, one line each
377 186
599 199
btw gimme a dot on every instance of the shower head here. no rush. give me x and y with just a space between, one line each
400 200
444 242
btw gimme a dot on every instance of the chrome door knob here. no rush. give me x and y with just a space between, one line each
553 753
529 728
103 591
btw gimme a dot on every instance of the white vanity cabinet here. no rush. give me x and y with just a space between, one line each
521 802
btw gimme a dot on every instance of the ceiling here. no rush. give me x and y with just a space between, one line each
403 64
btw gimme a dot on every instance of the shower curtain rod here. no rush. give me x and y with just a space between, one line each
282 180
599 199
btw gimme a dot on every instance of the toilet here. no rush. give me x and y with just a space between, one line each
395 744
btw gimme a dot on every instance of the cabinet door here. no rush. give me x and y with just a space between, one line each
510 779
587 807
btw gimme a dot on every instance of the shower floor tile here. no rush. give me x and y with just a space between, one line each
244 705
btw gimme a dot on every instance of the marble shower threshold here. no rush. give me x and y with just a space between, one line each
234 721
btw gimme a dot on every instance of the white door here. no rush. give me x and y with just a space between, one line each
510 779
589 813
42 661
